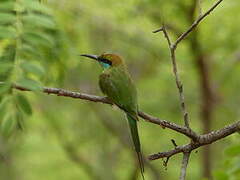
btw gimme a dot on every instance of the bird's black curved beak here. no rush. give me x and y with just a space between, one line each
95 57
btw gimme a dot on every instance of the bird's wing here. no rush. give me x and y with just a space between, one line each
119 88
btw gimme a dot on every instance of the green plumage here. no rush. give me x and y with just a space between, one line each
116 83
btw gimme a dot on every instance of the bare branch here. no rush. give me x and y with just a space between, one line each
172 47
158 30
203 140
174 143
208 138
183 130
196 22
63 92
185 160
177 77
198 140
166 36
176 31
163 123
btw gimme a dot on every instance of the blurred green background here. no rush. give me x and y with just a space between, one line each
49 137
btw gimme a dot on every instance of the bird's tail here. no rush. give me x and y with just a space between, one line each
132 120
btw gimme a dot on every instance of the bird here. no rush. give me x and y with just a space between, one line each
116 83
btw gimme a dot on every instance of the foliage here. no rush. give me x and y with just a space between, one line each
67 139
30 46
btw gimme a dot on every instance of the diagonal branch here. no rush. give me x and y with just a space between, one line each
198 140
195 23
203 140
62 92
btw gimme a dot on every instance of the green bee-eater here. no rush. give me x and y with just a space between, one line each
116 83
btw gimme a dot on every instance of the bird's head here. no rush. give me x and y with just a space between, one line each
106 60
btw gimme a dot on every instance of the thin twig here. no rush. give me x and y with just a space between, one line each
176 31
177 77
185 160
158 30
174 143
165 162
196 22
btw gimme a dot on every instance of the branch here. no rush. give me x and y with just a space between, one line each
203 140
176 75
163 123
196 22
185 160
173 46
198 140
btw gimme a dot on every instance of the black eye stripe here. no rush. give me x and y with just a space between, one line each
105 61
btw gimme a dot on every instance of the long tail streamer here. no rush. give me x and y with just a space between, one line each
134 132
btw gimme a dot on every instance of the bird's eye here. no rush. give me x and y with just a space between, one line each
104 60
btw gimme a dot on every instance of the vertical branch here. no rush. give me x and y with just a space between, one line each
180 87
185 160
206 86
179 84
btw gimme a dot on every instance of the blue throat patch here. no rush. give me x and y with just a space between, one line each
104 65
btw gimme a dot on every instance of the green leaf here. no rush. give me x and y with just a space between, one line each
7 125
33 68
4 87
7 32
233 150
29 84
3 105
24 104
39 21
29 51
20 120
37 40
5 67
4 101
7 18
36 6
